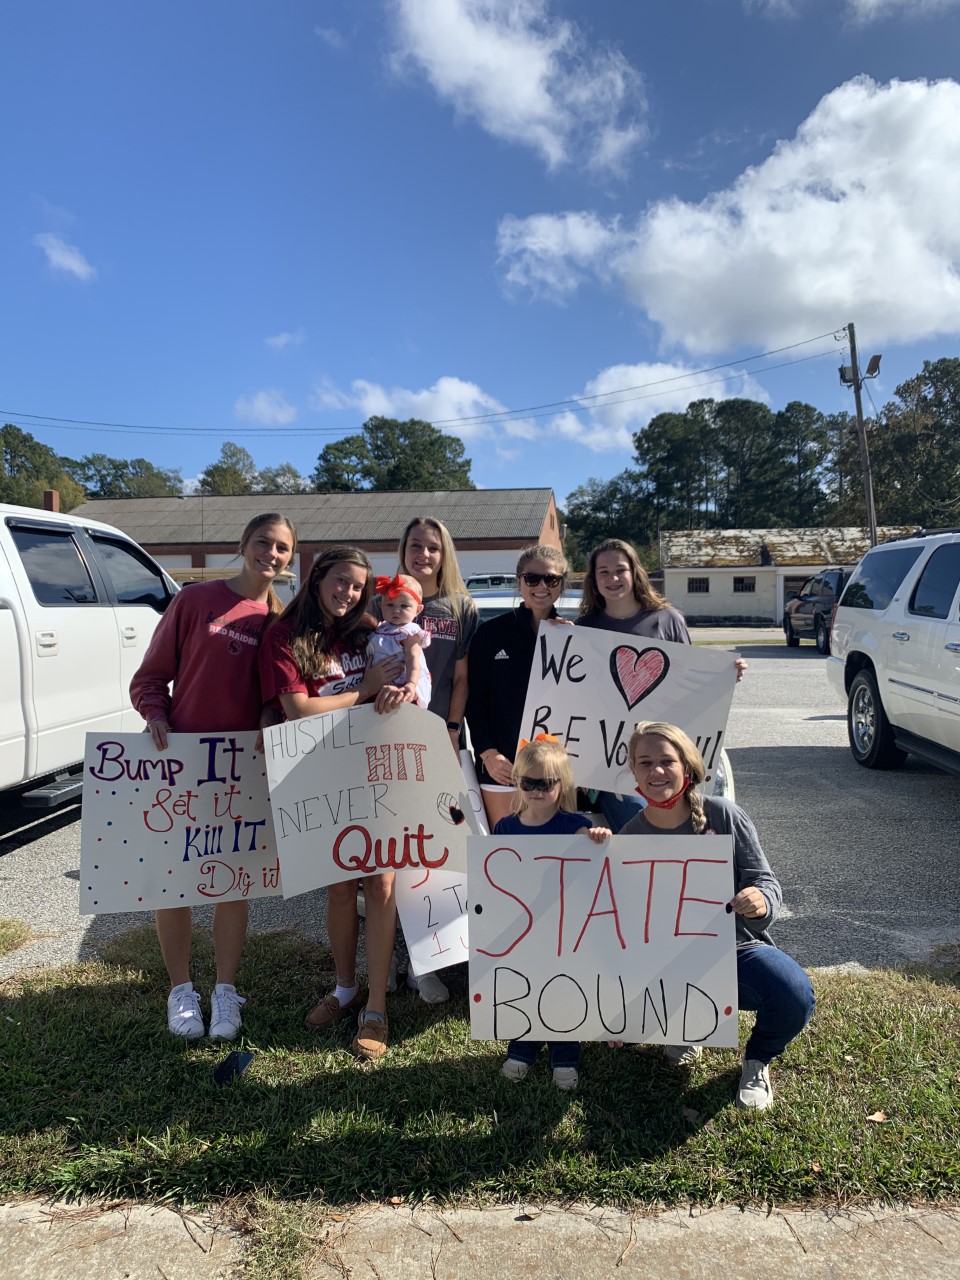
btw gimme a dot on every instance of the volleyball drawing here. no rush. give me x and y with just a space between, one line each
448 807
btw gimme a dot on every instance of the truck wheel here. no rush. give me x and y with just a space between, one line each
793 640
869 731
823 636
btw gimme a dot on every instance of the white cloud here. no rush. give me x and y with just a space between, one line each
527 77
62 256
631 394
445 403
330 36
552 254
286 339
867 10
853 218
269 408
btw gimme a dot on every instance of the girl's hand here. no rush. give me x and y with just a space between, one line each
598 834
391 695
498 766
741 668
378 674
158 730
615 1044
560 622
749 902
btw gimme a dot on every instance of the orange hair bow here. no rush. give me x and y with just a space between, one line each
395 586
541 737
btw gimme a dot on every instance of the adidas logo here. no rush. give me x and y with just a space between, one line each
502 654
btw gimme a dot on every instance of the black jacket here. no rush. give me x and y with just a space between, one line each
500 658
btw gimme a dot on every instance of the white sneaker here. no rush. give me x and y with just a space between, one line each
755 1090
392 975
514 1069
225 1006
432 990
566 1078
183 1012
682 1055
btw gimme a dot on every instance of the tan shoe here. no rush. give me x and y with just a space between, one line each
330 1011
370 1042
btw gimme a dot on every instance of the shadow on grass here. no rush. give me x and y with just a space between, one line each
100 1100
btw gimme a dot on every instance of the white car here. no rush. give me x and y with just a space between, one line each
79 602
895 652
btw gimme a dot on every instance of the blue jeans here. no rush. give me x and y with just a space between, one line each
618 810
560 1053
771 984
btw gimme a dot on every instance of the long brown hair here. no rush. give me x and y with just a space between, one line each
313 635
690 759
274 605
646 596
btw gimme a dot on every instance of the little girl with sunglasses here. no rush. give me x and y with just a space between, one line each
545 806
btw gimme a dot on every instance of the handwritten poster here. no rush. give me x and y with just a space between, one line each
354 793
628 940
590 688
174 828
433 908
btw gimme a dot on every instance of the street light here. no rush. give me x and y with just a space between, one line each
851 376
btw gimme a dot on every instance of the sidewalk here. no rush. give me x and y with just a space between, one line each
572 1243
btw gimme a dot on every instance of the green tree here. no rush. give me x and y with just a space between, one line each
915 449
389 454
106 477
803 437
600 509
282 479
234 472
27 467
755 472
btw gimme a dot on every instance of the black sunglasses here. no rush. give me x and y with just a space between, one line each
550 580
536 784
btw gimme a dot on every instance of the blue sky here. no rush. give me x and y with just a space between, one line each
263 223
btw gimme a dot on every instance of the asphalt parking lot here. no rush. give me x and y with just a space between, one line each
869 861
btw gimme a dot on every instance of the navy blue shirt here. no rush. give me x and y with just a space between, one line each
561 824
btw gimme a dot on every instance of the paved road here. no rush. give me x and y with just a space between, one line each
870 862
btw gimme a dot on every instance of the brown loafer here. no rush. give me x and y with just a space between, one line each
329 1011
370 1042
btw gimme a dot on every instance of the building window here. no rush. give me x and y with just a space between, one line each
744 586
698 586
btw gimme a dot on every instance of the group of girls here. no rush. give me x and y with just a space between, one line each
236 660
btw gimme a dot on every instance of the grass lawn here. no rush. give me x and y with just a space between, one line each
98 1099
13 934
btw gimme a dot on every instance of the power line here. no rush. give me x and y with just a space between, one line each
641 386
582 404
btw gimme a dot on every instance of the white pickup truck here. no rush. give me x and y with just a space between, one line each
79 602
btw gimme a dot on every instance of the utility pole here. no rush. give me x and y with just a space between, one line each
856 382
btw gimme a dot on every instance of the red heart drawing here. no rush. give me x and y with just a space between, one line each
637 672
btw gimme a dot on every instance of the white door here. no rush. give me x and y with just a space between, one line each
72 642
141 596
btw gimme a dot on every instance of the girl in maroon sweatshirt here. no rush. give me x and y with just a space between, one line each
206 648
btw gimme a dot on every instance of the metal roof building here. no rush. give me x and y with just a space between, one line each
200 531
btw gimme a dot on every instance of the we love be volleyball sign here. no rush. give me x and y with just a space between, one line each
590 688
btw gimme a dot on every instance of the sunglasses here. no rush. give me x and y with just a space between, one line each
550 580
537 784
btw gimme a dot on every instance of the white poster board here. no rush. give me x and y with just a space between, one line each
354 793
174 828
433 908
628 940
590 688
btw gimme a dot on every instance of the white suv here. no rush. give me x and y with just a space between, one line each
895 648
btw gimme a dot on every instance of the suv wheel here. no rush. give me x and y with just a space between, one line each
793 639
823 636
869 731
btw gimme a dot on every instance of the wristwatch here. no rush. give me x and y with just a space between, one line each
454 725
